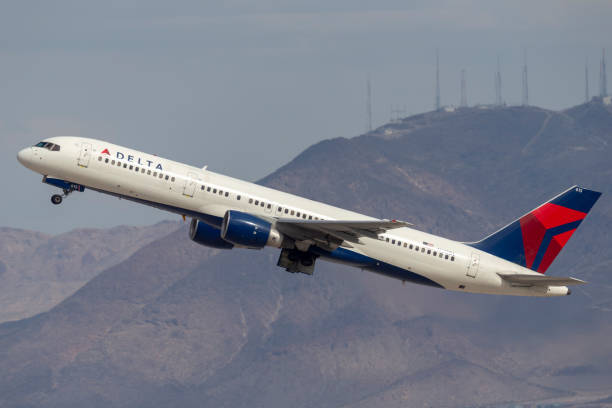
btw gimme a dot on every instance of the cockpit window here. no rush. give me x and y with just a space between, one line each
49 146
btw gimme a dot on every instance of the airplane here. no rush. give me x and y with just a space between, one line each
226 212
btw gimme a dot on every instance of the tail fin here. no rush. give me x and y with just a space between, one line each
535 239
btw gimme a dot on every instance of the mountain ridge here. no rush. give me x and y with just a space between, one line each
179 324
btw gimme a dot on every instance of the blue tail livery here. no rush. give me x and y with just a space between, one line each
535 239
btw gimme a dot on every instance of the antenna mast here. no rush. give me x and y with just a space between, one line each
525 99
586 81
437 80
603 86
369 103
498 95
463 101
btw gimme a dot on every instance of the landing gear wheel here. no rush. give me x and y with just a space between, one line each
307 260
56 199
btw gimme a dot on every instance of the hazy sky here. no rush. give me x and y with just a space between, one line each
244 86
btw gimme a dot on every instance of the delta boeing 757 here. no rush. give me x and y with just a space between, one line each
226 212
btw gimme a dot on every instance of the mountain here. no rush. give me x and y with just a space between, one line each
38 271
177 324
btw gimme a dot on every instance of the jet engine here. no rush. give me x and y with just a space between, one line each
207 235
249 231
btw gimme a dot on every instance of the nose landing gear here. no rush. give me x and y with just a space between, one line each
56 199
66 186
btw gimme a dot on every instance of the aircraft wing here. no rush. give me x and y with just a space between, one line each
336 232
518 279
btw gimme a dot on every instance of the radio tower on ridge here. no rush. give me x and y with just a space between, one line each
437 80
463 101
498 85
525 96
368 104
603 86
586 82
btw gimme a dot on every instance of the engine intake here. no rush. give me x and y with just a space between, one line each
249 231
207 235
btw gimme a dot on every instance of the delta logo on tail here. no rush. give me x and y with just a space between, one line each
535 239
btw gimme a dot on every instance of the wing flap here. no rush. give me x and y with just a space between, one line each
519 279
343 232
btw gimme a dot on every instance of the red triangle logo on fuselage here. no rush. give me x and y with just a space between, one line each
105 151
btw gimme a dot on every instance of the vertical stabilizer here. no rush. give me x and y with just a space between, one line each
535 239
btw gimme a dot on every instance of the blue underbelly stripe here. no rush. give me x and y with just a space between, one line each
370 264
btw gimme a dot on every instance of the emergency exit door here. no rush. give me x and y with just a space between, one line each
472 269
190 185
84 154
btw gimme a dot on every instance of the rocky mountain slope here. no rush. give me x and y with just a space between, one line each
39 271
177 324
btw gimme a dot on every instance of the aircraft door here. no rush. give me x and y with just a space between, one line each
472 269
190 184
84 154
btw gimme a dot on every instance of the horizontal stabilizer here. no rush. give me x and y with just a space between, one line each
519 279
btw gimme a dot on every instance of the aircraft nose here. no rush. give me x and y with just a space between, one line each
25 156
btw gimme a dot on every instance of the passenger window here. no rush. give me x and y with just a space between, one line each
202 188
410 247
250 201
423 250
393 241
269 206
220 192
399 243
279 209
137 169
387 239
441 255
304 216
106 160
148 172
131 167
125 165
118 163
416 248
171 179
99 158
226 194
167 177
161 175
208 189
214 191
262 204
445 256
238 198
256 202
435 253
452 259
429 252
310 217
113 162
292 212
286 211
297 214
405 245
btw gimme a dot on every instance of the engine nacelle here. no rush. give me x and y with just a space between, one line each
207 235
248 231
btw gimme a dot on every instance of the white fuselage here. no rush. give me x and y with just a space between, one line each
206 195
